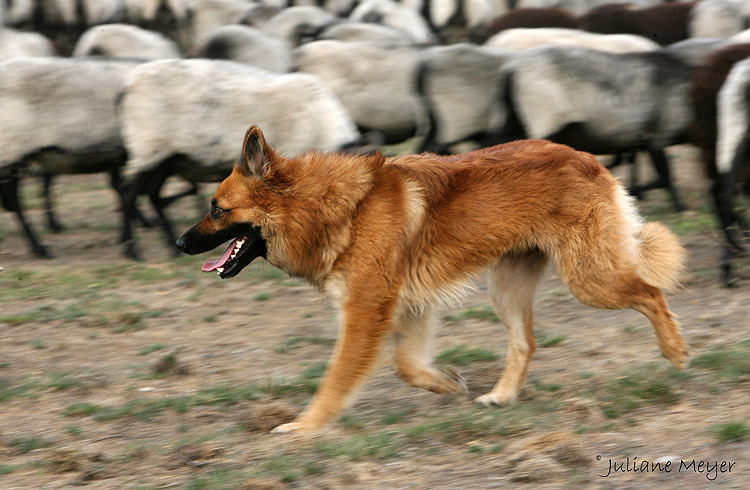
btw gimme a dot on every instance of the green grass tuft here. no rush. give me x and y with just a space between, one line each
63 381
395 416
733 431
461 355
474 313
729 363
10 389
640 387
545 340
382 446
151 348
27 444
296 342
82 409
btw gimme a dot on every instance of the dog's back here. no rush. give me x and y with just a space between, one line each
512 198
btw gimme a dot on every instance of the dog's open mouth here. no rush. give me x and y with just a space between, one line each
239 254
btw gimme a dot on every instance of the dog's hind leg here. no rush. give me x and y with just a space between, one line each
604 277
512 284
413 331
628 290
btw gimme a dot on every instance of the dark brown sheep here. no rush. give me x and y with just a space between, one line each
664 24
533 17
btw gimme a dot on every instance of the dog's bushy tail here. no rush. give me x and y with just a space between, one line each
662 258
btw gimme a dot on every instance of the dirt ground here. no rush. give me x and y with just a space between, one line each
121 375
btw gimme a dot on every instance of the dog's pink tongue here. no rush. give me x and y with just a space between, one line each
215 264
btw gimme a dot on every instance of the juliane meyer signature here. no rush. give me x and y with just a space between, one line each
711 469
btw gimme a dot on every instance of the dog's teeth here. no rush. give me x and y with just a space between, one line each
219 270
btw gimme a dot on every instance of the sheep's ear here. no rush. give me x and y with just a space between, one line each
256 154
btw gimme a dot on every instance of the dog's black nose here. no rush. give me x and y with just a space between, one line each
181 243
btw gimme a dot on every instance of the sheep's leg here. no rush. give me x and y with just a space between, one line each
430 143
152 190
723 191
663 180
632 159
629 158
728 277
128 194
723 194
621 158
9 199
724 208
661 164
616 161
116 182
52 223
191 191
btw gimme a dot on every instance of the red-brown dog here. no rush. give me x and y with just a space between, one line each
391 238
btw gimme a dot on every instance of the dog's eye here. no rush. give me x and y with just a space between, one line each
216 211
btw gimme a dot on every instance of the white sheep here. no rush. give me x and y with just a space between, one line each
146 11
258 15
522 38
207 15
125 41
733 116
58 113
365 32
185 117
604 103
17 44
718 18
458 85
249 46
374 83
16 13
293 22
471 13
395 15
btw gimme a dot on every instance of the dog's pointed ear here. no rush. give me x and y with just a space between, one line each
256 154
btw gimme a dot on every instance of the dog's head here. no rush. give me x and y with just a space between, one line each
239 211
295 212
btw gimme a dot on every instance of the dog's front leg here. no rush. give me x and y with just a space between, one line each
356 355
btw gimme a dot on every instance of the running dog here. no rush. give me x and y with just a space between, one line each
391 239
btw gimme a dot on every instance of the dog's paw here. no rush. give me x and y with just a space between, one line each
496 399
679 358
288 428
297 427
435 380
458 379
676 353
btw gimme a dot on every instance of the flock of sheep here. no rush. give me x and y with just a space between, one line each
150 89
